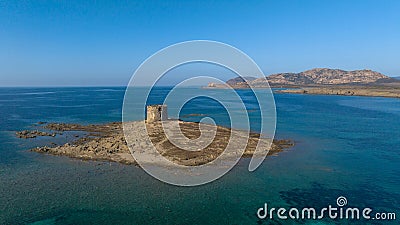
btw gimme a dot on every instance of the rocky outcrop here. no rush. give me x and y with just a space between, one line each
237 82
107 142
240 80
33 134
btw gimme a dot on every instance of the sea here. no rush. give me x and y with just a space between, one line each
346 147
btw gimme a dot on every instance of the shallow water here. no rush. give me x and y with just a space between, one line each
345 146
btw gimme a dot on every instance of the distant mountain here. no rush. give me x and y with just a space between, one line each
318 76
397 78
328 76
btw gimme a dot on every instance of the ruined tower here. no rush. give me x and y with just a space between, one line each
156 113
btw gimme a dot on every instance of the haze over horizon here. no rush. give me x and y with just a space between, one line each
87 43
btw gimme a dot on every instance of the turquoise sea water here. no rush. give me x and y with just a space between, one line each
345 146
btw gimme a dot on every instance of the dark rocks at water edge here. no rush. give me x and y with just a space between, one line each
33 134
107 142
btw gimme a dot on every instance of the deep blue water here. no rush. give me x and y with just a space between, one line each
345 146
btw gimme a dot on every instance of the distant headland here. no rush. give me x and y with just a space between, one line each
323 81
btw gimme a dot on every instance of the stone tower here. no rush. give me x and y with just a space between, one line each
156 113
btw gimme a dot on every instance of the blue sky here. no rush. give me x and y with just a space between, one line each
46 43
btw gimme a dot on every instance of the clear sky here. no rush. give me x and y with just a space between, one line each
102 42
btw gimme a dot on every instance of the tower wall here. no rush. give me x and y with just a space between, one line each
156 113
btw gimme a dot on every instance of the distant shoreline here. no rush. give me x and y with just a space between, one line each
386 91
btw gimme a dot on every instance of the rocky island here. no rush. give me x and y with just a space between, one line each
324 81
107 142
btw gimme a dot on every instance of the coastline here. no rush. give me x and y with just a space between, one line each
385 91
388 91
